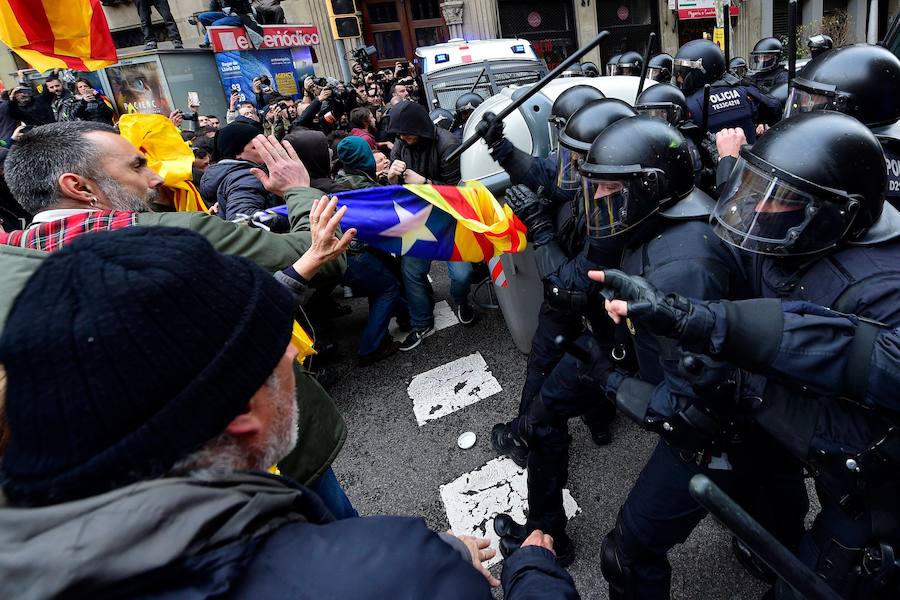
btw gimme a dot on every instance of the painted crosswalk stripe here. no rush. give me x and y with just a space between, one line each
444 317
450 387
474 499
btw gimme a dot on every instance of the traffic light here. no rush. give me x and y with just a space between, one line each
344 22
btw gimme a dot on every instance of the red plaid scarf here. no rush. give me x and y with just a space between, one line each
54 235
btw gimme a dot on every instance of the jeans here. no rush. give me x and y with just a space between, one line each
332 494
368 275
214 17
162 7
415 279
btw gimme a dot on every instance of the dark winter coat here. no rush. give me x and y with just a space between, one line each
230 183
428 156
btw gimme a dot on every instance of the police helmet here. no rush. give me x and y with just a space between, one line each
781 92
738 66
571 100
612 62
659 68
766 55
574 70
862 81
579 133
635 168
697 63
811 182
590 69
629 63
468 102
819 44
442 118
663 101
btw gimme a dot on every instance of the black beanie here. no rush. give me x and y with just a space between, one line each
231 139
125 352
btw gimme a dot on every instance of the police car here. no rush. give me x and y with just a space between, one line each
454 68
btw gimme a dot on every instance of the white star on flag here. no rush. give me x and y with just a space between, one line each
411 227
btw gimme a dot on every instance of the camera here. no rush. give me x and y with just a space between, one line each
361 56
265 84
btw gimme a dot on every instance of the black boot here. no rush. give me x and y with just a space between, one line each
512 535
507 443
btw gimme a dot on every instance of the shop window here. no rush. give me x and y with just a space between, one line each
549 26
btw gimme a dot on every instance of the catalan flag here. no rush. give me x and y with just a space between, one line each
58 34
168 155
437 222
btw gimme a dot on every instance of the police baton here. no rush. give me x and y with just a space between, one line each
787 566
532 91
646 64
704 123
726 8
792 39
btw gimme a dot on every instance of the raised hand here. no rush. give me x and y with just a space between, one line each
285 169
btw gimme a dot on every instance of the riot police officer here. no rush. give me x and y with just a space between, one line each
862 81
665 101
560 258
819 44
465 106
738 66
766 70
814 228
590 69
638 185
612 62
700 62
442 118
659 68
627 63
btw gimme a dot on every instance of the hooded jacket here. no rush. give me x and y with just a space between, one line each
312 148
428 157
242 535
230 183
37 112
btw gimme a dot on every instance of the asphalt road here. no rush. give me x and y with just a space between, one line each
392 465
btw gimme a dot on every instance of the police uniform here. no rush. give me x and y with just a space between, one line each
766 81
734 106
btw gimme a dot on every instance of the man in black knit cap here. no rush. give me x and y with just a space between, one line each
150 385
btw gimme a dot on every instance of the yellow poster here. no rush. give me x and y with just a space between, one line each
719 37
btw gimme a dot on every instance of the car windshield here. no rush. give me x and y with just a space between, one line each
449 84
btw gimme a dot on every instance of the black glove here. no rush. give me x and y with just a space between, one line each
528 207
490 129
663 314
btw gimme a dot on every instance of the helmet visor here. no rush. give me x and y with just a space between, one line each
612 206
567 175
762 61
671 113
801 100
687 74
624 69
660 74
760 212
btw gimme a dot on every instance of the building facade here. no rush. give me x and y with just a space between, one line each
555 27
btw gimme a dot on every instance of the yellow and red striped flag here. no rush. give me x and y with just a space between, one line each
58 34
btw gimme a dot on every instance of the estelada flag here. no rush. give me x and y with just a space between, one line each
58 34
436 222
168 155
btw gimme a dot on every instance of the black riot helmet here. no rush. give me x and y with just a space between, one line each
612 62
629 63
663 101
766 55
659 68
590 69
819 44
697 63
579 133
862 81
813 181
468 101
442 118
635 168
574 70
738 66
571 100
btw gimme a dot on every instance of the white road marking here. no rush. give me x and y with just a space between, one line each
474 499
444 317
448 388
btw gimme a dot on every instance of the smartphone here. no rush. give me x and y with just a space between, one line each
193 99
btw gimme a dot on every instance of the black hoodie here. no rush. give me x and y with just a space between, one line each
428 156
312 148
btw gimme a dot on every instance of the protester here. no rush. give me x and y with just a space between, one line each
312 149
363 122
231 181
91 105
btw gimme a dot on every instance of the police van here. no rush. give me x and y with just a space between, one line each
454 68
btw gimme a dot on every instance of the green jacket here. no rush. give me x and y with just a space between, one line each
355 180
322 429
271 251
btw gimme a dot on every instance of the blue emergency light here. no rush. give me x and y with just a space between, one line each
441 58
518 49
